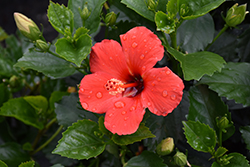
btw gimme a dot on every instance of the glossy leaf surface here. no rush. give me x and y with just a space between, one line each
245 133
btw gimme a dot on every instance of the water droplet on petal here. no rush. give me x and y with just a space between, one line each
146 52
167 72
90 92
125 49
85 105
126 118
99 95
119 104
113 126
165 93
153 84
142 56
134 44
133 37
94 109
124 112
144 40
82 90
149 104
89 97
155 110
173 97
124 37
159 79
132 108
154 76
143 68
110 115
110 58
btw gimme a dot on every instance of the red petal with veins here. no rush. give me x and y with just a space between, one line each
142 49
92 93
162 91
125 116
107 56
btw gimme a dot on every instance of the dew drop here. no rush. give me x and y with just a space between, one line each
153 84
167 72
165 93
99 95
149 104
119 104
85 105
82 90
110 115
154 76
125 49
134 44
155 110
132 108
94 109
126 118
142 56
143 68
133 37
89 97
124 112
90 92
173 97
159 79
146 52
113 126
144 40
124 37
110 58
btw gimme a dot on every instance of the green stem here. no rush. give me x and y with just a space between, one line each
54 54
165 41
173 40
49 140
106 6
218 35
220 138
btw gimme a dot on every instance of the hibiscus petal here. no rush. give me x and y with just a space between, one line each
162 90
125 116
107 56
142 49
92 93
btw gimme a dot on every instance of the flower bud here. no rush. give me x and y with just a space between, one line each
152 5
42 45
110 19
27 27
85 13
222 123
165 147
235 15
180 159
14 81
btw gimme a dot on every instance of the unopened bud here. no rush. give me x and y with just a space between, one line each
27 27
165 147
85 13
14 81
110 19
223 123
152 5
42 45
71 89
180 159
236 14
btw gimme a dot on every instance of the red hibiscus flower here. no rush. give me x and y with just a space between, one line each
123 81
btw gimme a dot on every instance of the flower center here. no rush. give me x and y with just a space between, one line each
130 89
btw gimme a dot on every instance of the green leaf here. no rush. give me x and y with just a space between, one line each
27 164
79 32
93 21
206 106
172 8
4 94
238 160
21 110
56 96
140 6
191 9
220 152
164 22
12 154
74 52
2 164
200 136
232 82
195 65
6 67
242 46
39 102
146 159
61 18
142 133
102 127
46 63
81 141
194 35
69 111
14 48
245 133
3 34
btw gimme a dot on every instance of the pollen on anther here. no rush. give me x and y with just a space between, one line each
113 86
